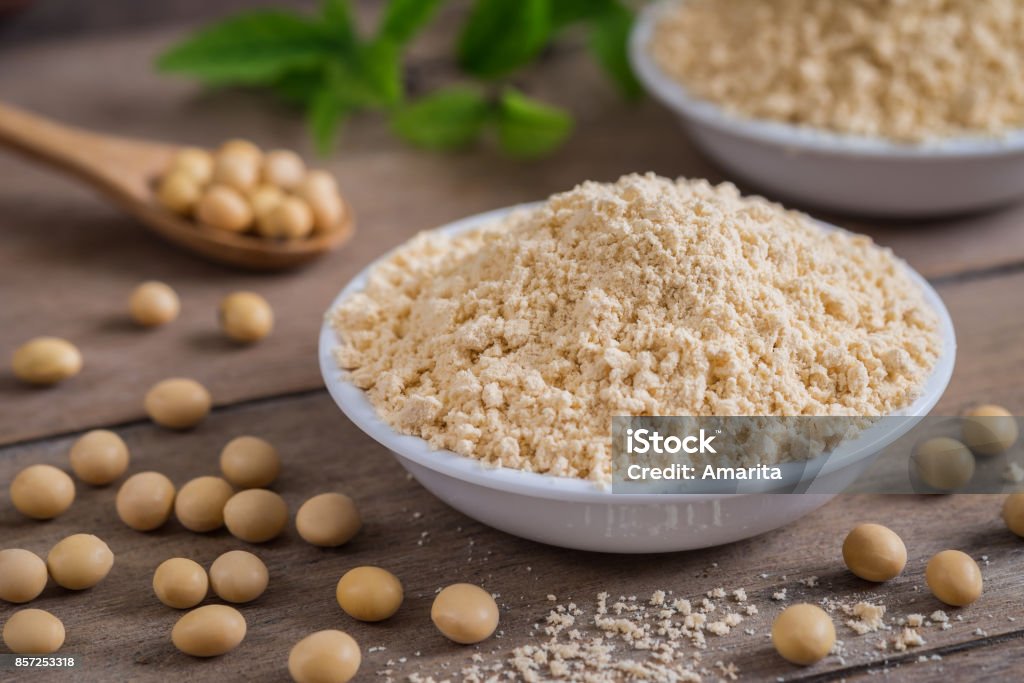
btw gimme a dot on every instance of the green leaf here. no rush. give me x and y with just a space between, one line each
445 120
609 42
251 48
324 116
566 12
503 35
379 66
339 22
369 78
528 128
404 18
299 86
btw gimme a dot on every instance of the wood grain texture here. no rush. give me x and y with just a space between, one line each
395 192
121 631
42 19
989 324
57 236
68 263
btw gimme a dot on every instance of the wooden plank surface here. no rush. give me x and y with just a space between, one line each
44 19
68 262
396 192
986 313
121 631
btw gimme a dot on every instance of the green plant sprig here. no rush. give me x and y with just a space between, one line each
325 65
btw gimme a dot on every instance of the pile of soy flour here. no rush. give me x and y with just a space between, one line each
908 70
516 343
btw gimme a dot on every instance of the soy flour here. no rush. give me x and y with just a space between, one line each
908 70
517 342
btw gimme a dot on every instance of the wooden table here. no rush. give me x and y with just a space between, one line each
68 262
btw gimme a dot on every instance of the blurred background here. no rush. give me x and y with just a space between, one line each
30 20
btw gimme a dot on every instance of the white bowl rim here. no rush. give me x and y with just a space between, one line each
793 136
353 403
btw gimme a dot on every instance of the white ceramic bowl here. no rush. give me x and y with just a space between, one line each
849 173
574 513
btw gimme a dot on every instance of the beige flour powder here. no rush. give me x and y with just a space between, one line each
909 70
517 343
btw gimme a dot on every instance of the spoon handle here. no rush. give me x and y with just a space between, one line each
116 166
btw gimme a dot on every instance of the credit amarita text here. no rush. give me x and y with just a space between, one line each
709 472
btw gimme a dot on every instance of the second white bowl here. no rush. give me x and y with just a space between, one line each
849 173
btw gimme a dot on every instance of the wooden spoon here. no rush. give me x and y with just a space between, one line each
125 171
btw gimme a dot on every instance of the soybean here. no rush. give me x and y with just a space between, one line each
246 317
241 148
954 578
153 304
199 505
256 515
465 613
250 462
239 186
195 162
22 575
803 634
209 631
328 520
239 576
33 632
291 218
320 191
225 208
42 491
237 171
145 500
874 552
178 403
180 583
1013 513
46 360
943 463
324 657
990 429
80 561
283 168
99 457
262 199
369 593
179 192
